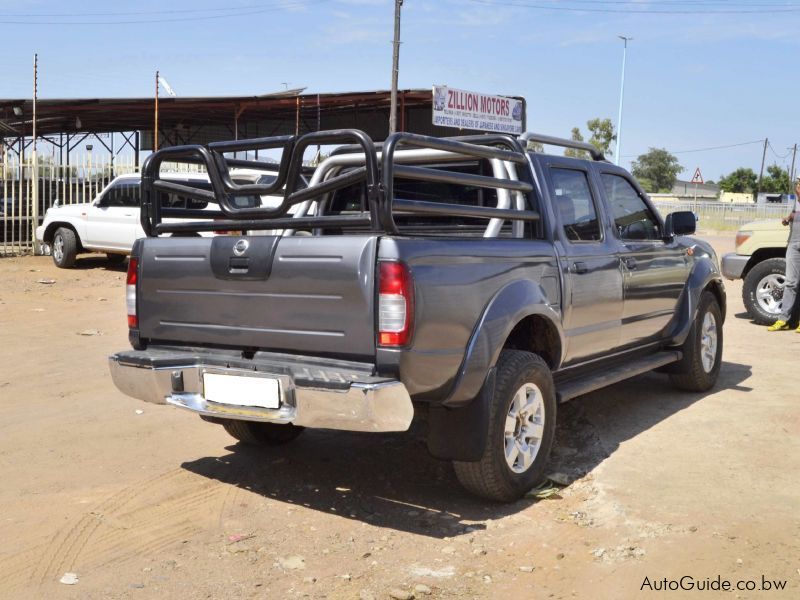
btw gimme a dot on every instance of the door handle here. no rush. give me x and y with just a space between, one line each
629 262
579 268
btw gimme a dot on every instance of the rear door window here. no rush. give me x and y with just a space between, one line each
575 205
122 193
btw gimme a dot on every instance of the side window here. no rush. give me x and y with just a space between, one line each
632 217
124 193
575 205
173 200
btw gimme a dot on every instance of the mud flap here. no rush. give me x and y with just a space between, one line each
460 433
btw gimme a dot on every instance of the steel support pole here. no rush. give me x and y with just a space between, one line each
761 172
155 128
34 161
395 67
618 148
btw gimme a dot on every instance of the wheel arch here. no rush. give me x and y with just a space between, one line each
760 256
519 317
704 277
537 334
50 231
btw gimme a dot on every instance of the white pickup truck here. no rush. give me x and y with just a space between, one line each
111 222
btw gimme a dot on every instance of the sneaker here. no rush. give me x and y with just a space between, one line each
798 329
779 326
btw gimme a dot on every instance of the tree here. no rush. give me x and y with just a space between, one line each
602 131
777 181
656 170
573 152
741 181
535 147
602 134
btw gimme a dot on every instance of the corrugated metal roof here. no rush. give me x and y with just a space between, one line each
99 115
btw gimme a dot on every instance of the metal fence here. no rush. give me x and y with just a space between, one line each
27 192
86 175
725 216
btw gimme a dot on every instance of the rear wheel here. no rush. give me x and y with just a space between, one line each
699 368
65 248
522 420
262 434
762 292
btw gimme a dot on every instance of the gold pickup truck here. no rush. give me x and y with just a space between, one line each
760 261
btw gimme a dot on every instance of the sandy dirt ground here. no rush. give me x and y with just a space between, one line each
146 501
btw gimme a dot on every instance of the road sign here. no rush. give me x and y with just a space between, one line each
698 176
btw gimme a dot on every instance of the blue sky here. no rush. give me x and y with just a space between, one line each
694 79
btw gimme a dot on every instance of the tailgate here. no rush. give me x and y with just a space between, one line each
310 295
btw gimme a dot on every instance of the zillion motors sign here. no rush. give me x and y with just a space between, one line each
472 110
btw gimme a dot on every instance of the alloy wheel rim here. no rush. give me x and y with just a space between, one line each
708 342
58 248
524 428
769 293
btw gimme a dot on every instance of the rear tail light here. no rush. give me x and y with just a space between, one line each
130 292
395 304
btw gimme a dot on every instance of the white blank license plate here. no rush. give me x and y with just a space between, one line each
238 390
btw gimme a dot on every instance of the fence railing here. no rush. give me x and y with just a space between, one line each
724 216
86 175
27 192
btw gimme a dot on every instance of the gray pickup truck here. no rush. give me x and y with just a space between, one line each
464 281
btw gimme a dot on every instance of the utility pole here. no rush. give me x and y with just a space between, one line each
395 67
155 128
34 162
617 153
761 172
791 172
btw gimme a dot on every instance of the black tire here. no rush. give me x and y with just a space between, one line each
115 259
492 477
65 248
690 373
261 434
759 277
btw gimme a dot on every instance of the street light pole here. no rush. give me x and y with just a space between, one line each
625 41
395 67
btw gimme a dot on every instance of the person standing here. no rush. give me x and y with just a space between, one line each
792 265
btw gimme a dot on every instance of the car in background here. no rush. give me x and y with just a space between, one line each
9 206
760 260
110 223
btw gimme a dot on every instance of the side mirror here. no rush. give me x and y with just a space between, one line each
682 222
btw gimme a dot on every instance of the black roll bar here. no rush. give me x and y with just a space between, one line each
477 146
291 174
564 143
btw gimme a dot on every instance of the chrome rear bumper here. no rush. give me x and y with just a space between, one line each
372 404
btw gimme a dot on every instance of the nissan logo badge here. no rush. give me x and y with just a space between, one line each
240 247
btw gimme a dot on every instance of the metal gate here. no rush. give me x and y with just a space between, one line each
27 192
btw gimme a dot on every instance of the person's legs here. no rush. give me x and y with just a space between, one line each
789 288
792 276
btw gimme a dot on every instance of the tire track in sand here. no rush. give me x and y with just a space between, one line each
137 521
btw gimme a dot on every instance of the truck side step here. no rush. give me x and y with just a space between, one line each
590 382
